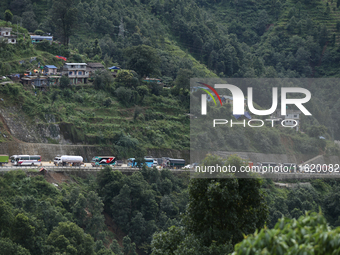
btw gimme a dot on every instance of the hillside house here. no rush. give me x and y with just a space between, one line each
291 117
91 68
5 34
35 81
229 99
40 38
50 69
76 72
95 66
153 80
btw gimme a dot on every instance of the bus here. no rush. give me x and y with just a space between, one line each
150 162
130 162
26 160
103 161
178 163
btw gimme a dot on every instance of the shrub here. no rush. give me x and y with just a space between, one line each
64 82
125 96
107 102
102 80
310 234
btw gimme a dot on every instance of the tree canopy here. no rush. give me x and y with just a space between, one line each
143 59
64 17
310 234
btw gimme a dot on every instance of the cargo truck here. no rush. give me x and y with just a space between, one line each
177 163
68 160
4 159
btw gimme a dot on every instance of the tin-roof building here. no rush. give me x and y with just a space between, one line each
50 69
92 67
40 38
76 72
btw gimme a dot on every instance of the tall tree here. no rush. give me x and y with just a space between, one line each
143 59
68 238
8 15
224 209
64 13
6 217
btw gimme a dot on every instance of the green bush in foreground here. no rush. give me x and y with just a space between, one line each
310 234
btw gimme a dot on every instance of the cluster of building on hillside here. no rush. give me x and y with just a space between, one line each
78 73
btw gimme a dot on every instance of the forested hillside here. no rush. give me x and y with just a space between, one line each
148 212
232 38
155 212
174 41
38 217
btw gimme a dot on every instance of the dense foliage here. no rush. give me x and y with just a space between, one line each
207 227
218 214
309 234
142 203
40 218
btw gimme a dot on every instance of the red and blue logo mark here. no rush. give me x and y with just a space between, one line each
208 92
106 160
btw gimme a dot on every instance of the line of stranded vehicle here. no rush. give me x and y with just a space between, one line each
97 161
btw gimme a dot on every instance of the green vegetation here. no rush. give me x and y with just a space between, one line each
175 41
35 212
143 203
309 234
224 211
218 213
40 218
157 212
92 116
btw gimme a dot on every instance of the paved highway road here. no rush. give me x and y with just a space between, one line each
125 169
51 167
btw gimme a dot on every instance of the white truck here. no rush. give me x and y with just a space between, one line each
66 160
